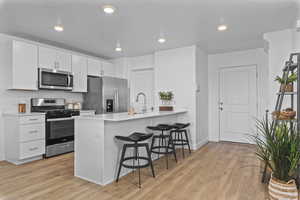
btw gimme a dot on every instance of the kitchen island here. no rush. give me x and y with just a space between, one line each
97 153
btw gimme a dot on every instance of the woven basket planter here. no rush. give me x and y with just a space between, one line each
286 88
279 190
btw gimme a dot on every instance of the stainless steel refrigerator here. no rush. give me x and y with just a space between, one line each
106 95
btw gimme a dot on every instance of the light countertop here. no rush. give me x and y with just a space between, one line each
15 114
116 117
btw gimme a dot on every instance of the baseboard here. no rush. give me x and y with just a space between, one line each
200 144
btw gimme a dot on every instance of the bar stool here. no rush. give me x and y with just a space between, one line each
178 138
165 142
134 140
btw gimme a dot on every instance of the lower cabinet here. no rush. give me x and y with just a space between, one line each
24 137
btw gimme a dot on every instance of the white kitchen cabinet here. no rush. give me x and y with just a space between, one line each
94 67
24 66
108 69
63 60
80 72
24 137
47 58
51 58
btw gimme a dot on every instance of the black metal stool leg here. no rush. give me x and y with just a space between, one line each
139 169
150 159
182 144
121 161
167 149
173 148
188 141
160 144
152 145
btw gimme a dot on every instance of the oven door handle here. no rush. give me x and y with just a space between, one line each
60 119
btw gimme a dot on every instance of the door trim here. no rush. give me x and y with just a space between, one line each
219 92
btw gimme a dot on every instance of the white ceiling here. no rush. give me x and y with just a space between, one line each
137 23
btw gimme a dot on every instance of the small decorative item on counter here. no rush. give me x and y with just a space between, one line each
22 107
288 86
131 111
77 106
286 114
166 101
70 106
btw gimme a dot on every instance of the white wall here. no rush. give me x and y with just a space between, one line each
127 66
280 45
201 97
10 99
175 70
240 58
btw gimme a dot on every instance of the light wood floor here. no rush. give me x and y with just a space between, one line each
218 171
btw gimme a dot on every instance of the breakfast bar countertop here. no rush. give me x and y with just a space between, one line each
116 117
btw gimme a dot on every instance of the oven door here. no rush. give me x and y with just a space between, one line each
59 130
56 80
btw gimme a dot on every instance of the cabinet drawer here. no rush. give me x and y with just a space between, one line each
31 149
32 132
32 119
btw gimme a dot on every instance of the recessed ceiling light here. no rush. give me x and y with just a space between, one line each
108 9
222 27
59 28
118 49
161 40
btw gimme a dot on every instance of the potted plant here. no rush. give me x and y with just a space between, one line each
288 86
286 114
166 101
279 148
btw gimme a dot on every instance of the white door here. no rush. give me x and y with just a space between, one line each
142 80
79 69
238 103
25 73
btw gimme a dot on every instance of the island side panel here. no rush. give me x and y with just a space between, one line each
113 148
89 145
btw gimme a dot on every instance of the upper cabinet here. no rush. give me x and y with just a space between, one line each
24 66
63 60
80 71
94 67
108 69
51 58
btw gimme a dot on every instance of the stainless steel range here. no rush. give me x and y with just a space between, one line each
59 125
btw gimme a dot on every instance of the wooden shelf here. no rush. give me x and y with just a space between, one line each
286 120
287 93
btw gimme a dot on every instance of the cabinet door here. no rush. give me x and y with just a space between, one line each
94 67
25 62
63 60
108 69
79 69
47 58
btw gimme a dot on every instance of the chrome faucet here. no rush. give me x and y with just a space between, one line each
144 110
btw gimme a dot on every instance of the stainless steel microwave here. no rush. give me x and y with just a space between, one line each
55 80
